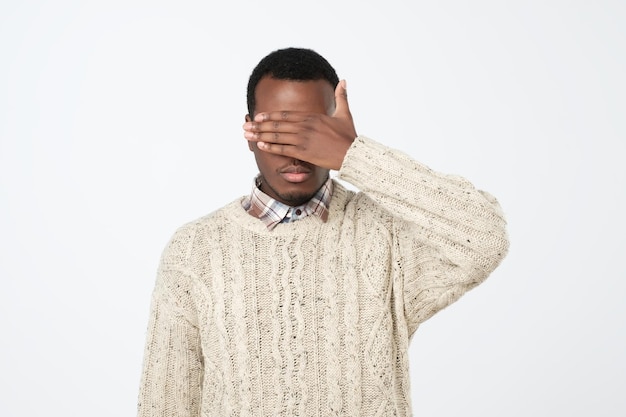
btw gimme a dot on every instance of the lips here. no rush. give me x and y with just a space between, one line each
295 173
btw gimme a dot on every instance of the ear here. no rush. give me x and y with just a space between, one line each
249 119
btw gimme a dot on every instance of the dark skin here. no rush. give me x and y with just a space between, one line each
301 130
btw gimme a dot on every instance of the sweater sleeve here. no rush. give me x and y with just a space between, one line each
171 380
449 236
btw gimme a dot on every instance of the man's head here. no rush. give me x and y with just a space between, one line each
294 64
298 80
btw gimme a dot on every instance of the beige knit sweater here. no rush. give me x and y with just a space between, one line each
312 318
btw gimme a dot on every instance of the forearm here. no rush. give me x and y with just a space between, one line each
464 223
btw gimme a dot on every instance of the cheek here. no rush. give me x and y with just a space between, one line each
322 175
265 162
258 158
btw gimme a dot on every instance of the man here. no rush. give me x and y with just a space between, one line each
301 297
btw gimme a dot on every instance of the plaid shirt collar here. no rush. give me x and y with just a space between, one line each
272 212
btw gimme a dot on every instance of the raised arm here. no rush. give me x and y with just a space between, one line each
449 235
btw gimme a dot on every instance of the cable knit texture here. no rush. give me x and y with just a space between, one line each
313 318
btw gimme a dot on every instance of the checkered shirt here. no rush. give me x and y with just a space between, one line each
272 212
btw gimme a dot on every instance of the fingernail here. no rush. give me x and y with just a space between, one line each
248 135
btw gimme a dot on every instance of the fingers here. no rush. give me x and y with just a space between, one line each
275 148
342 109
280 136
270 131
270 126
272 137
285 116
278 127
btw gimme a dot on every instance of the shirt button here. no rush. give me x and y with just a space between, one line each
298 212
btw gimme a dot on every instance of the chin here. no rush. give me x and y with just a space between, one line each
296 198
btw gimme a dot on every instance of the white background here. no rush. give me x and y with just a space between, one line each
121 120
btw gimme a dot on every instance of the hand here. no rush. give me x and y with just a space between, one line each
318 139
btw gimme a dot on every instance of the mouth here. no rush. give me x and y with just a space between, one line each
295 174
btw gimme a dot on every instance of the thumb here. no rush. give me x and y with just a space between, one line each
341 101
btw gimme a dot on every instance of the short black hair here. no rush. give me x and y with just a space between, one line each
296 64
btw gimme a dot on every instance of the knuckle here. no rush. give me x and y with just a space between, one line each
311 120
276 125
284 115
